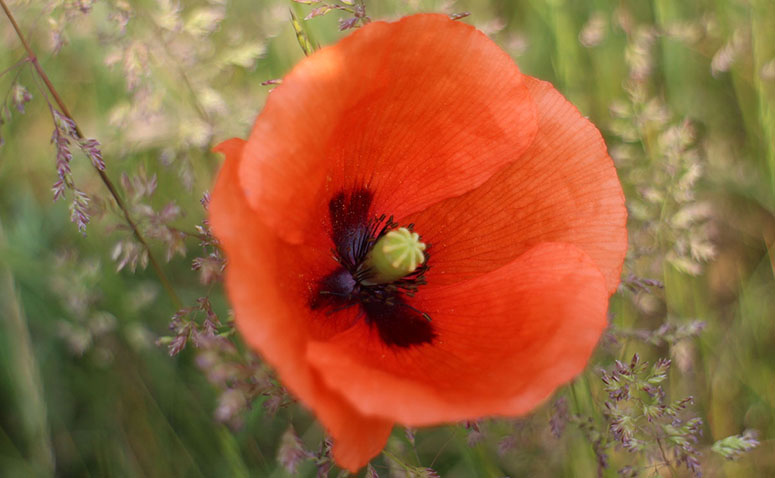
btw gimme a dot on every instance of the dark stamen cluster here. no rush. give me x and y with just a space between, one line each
354 233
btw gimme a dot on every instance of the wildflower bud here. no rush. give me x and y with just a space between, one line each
395 255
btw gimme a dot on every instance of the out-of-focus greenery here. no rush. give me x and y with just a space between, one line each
684 93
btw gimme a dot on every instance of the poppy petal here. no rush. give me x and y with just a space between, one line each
413 111
398 324
564 188
273 320
505 341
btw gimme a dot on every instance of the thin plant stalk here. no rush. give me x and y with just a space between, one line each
30 404
32 58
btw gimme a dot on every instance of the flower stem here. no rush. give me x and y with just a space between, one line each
104 177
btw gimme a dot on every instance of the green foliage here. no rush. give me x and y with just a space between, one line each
642 420
732 447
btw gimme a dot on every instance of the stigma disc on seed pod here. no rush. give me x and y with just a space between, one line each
395 255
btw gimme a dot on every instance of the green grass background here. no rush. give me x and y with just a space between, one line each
122 407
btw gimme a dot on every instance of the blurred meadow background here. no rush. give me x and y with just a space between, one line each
684 93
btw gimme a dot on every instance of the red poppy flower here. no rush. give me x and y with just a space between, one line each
421 122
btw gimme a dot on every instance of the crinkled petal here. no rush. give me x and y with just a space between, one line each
266 280
564 188
505 341
415 111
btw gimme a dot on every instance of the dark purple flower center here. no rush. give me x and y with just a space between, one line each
354 232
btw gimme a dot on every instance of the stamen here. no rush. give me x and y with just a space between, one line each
380 266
